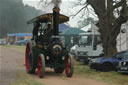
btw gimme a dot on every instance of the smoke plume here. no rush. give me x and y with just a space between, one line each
56 3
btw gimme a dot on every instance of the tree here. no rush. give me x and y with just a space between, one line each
85 22
14 16
111 14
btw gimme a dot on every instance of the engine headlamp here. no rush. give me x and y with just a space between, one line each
57 49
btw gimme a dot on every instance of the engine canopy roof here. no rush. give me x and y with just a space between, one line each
49 18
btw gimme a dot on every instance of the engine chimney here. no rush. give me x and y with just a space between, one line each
56 11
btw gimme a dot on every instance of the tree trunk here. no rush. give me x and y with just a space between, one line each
108 37
109 26
109 32
109 43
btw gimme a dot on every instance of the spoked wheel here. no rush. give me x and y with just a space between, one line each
69 66
41 66
27 54
28 59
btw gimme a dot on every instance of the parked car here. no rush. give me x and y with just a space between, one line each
2 41
107 64
123 65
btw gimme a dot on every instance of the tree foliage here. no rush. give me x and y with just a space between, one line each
85 22
14 15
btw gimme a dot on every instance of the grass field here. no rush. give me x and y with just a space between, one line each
113 78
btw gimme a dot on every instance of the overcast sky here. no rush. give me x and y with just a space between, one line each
67 7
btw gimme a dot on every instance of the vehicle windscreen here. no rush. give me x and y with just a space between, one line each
125 56
44 26
85 40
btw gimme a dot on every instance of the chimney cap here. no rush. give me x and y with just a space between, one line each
56 9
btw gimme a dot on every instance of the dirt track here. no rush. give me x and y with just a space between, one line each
12 61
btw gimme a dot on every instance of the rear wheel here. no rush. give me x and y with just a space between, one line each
69 66
59 70
28 59
41 66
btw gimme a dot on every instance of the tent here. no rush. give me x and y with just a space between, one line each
72 31
19 34
86 27
12 38
70 35
63 27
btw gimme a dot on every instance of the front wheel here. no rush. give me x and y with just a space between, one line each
69 66
41 66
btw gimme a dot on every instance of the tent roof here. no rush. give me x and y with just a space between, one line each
72 31
86 27
19 34
49 18
63 27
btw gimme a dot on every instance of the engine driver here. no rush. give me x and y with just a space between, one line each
35 30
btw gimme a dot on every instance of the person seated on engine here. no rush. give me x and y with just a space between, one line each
48 31
35 30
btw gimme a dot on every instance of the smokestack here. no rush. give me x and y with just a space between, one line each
56 11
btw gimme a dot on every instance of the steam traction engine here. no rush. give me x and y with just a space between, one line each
45 49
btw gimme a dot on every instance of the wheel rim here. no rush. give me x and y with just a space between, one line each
39 69
26 57
68 66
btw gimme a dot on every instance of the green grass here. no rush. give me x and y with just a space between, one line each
113 78
23 79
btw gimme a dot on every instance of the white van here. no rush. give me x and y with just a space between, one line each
89 46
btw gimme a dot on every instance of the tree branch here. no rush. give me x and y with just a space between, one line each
98 6
118 22
119 4
124 11
81 9
79 2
